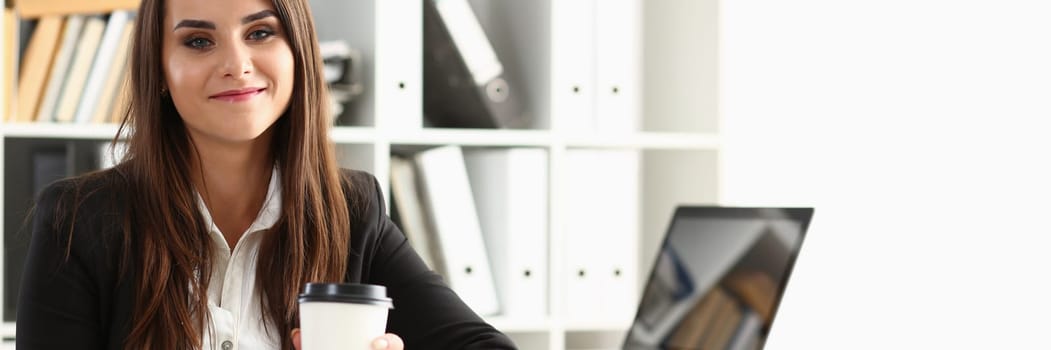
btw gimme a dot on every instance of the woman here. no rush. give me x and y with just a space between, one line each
227 202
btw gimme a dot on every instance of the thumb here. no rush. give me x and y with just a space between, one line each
295 339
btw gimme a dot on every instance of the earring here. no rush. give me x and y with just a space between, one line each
164 91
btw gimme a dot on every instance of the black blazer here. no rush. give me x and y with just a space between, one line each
82 303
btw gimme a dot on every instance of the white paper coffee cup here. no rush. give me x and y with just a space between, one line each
334 316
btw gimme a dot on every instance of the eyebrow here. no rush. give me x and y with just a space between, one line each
196 23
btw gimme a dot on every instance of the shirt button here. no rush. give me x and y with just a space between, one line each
227 345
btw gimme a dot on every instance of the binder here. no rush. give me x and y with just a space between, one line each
39 163
601 235
105 55
60 67
573 64
451 211
411 214
398 83
618 58
465 84
49 165
512 210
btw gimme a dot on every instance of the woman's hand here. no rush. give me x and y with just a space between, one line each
388 341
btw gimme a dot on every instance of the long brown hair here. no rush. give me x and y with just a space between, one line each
172 258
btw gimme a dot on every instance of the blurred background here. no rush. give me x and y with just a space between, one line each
533 151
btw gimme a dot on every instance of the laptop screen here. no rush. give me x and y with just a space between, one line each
718 278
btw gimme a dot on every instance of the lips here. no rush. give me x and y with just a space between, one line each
237 95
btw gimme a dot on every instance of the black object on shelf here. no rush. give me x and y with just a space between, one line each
30 165
464 83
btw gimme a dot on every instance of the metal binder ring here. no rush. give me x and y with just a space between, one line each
496 90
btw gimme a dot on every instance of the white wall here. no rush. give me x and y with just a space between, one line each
920 131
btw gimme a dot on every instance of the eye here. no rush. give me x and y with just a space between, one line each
260 34
197 43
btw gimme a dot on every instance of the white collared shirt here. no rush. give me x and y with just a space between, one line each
233 301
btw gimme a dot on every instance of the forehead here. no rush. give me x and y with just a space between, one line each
220 12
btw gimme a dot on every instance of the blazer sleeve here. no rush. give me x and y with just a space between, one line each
58 304
427 314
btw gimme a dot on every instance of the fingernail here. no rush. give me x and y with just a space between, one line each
380 344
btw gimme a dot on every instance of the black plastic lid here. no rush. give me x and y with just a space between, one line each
355 293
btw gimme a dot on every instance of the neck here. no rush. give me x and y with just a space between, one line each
233 180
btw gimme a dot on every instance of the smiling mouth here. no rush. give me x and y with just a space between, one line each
237 95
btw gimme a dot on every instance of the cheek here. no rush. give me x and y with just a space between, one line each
278 65
183 75
285 71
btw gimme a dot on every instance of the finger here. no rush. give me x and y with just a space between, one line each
395 342
295 338
388 341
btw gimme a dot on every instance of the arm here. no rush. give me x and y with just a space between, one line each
427 313
58 301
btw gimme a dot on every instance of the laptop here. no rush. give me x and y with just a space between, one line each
718 278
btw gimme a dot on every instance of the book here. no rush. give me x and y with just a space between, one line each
35 65
10 38
748 334
79 68
60 67
452 213
112 85
42 8
465 84
120 101
105 58
719 332
691 329
756 289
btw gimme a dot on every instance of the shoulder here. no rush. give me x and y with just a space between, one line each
363 193
93 191
359 185
357 178
90 203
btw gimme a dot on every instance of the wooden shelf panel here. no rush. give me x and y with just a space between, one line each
38 8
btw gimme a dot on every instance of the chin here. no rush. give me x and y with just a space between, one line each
231 134
243 135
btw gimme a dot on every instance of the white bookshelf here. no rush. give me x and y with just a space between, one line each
676 136
430 136
58 131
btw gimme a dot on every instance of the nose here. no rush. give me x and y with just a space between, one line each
237 61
